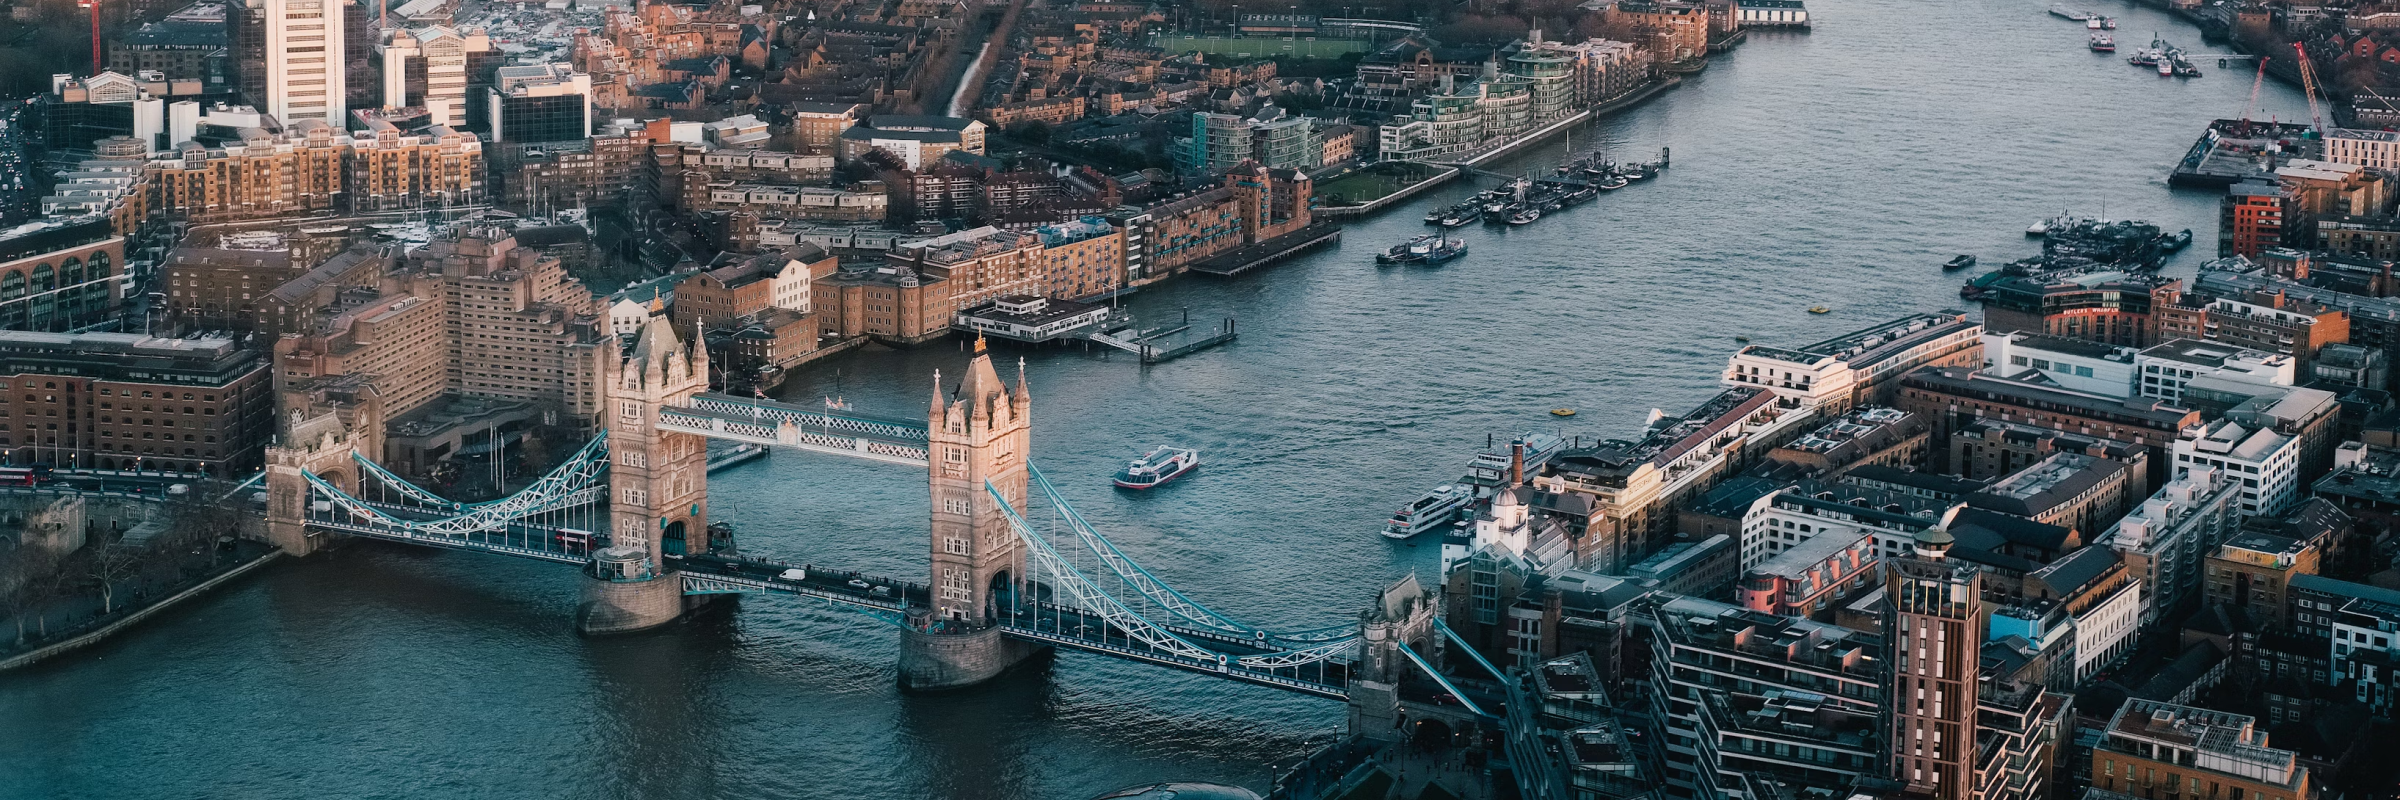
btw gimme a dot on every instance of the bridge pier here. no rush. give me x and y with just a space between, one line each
622 594
937 661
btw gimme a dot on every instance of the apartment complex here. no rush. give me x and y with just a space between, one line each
1860 367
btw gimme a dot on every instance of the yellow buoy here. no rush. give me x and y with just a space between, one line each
1820 310
1562 412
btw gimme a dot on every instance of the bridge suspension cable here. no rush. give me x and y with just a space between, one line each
1158 592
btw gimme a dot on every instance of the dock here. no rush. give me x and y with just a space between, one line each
1145 343
1151 354
1271 251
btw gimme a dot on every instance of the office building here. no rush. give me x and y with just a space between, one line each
302 59
2265 462
1860 367
1988 449
2069 490
2253 572
2164 368
201 405
2156 750
2277 324
2075 364
60 274
1953 397
2103 306
539 103
427 68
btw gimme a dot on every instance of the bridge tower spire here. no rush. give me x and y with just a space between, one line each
979 433
658 486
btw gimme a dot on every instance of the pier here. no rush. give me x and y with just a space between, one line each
1145 344
1271 251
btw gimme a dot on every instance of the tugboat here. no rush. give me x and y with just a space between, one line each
1157 467
1961 262
1434 217
1426 513
2103 43
2176 242
1427 250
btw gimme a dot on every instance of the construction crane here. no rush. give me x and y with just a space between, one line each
2308 86
2255 82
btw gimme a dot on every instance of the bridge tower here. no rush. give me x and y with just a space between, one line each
658 486
319 431
981 433
1403 616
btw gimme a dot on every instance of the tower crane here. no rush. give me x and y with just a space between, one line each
2308 86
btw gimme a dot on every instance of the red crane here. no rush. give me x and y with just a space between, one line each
2308 86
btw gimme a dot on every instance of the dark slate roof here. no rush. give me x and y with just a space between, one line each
1733 498
2094 472
1939 484
549 235
2078 569
2341 588
2185 671
1997 530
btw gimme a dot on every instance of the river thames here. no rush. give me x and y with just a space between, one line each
1835 168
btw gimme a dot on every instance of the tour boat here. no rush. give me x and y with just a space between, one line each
1426 513
1158 466
1961 262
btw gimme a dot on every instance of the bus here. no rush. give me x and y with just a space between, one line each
34 475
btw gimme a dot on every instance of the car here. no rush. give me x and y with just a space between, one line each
858 584
794 575
883 591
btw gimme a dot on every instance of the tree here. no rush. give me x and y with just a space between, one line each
22 590
113 563
1032 131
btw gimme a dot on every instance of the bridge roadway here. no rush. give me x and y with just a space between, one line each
1045 623
765 422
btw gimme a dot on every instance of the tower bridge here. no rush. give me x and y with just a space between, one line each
1013 569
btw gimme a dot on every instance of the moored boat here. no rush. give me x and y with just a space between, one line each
1158 466
1611 182
2103 43
1431 511
1524 216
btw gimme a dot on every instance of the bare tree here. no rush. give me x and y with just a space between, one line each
110 564
21 587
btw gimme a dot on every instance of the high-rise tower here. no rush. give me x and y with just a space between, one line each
304 59
1935 626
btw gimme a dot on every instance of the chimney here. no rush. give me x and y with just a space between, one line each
1516 462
